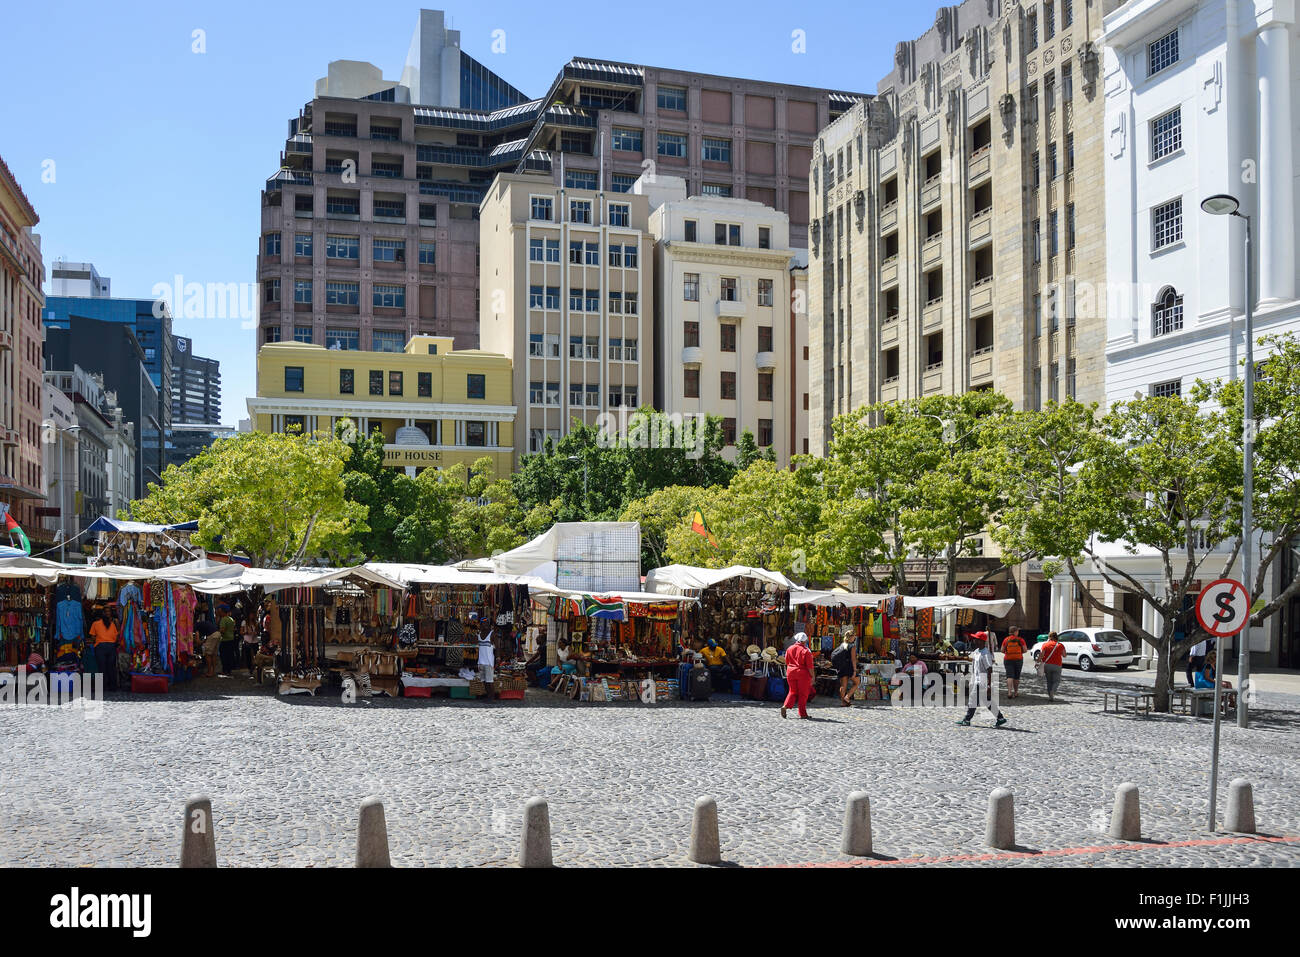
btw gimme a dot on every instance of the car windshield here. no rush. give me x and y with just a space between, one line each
1111 636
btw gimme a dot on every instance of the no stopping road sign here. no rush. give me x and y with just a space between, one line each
1223 607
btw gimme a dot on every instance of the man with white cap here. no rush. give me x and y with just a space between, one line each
798 675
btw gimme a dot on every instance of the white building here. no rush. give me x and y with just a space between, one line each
725 336
1201 99
60 445
79 279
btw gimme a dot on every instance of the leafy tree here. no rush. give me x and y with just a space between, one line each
662 511
277 498
485 516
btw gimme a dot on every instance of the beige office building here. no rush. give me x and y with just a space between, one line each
725 342
565 291
958 232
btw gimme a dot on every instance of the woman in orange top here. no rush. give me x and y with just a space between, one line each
104 634
1013 660
798 675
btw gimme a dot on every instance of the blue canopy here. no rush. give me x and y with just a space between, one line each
105 524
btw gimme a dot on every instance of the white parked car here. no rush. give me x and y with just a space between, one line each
1090 647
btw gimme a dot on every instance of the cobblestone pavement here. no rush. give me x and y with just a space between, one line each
287 776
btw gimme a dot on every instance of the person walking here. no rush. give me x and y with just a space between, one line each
1051 655
845 660
1196 660
798 675
228 642
251 641
1013 660
104 634
979 685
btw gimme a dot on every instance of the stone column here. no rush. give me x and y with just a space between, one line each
1277 235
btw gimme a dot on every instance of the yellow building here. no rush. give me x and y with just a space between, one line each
434 406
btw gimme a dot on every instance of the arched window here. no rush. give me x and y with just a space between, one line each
1167 312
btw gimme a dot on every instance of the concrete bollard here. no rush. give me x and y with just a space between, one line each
198 842
1126 815
1000 830
856 840
704 832
535 847
1241 807
372 835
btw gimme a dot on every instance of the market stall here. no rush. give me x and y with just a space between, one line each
27 614
142 545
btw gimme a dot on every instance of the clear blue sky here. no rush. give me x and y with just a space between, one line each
160 153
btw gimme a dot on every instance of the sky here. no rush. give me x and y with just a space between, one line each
144 145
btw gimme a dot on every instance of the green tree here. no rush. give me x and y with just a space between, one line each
277 498
662 511
485 516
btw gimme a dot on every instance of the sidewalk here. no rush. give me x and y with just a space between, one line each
1267 680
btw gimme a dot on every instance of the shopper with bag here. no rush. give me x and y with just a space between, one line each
799 675
1051 659
1013 660
845 660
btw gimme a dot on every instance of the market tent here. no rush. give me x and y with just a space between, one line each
199 571
275 579
106 524
641 597
579 555
26 567
674 579
943 604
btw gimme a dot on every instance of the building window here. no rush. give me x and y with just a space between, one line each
764 237
619 214
715 189
347 381
579 178
476 386
302 291
575 300
575 253
615 303
476 434
1069 226
1167 224
690 228
629 257
727 334
390 250
1167 133
764 430
272 290
552 250
890 365
300 334
272 246
691 383
764 338
1067 13
1167 313
535 349
728 381
672 98
1052 222
271 334
615 350
593 396
535 297
295 423
293 379
592 254
343 247
629 350
765 387
580 211
1172 389
342 293
728 290
302 245
1036 241
376 382
389 297
1031 31
384 340
728 431
626 140
726 234
394 383
1162 53
1049 19
535 393
672 144
715 150
592 300
691 333
552 297
621 182
541 207
765 292
691 287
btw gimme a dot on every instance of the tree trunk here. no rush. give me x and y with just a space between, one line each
1163 666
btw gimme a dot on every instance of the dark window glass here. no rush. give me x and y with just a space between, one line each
476 386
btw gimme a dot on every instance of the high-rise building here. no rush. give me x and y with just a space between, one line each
150 322
61 453
100 440
566 282
21 384
78 279
112 349
196 386
368 231
724 344
958 240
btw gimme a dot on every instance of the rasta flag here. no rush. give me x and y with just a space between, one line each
699 527
17 537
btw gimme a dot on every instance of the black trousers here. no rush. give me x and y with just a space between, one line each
227 651
1194 664
106 660
721 675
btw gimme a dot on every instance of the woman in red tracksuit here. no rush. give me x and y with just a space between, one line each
798 675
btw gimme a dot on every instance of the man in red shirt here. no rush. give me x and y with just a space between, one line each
1013 659
1052 654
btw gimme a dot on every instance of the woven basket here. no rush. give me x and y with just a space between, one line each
477 687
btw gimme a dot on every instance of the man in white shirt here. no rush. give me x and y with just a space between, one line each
487 659
979 684
1196 660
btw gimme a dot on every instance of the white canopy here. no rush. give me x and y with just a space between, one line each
275 579
641 597
674 579
589 553
41 569
407 574
197 572
943 604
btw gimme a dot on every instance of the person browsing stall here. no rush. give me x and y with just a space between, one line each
104 634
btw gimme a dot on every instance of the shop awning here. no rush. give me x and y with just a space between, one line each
189 573
445 575
106 524
575 544
640 597
674 579
943 604
26 567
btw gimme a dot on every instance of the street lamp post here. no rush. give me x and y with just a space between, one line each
1222 204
